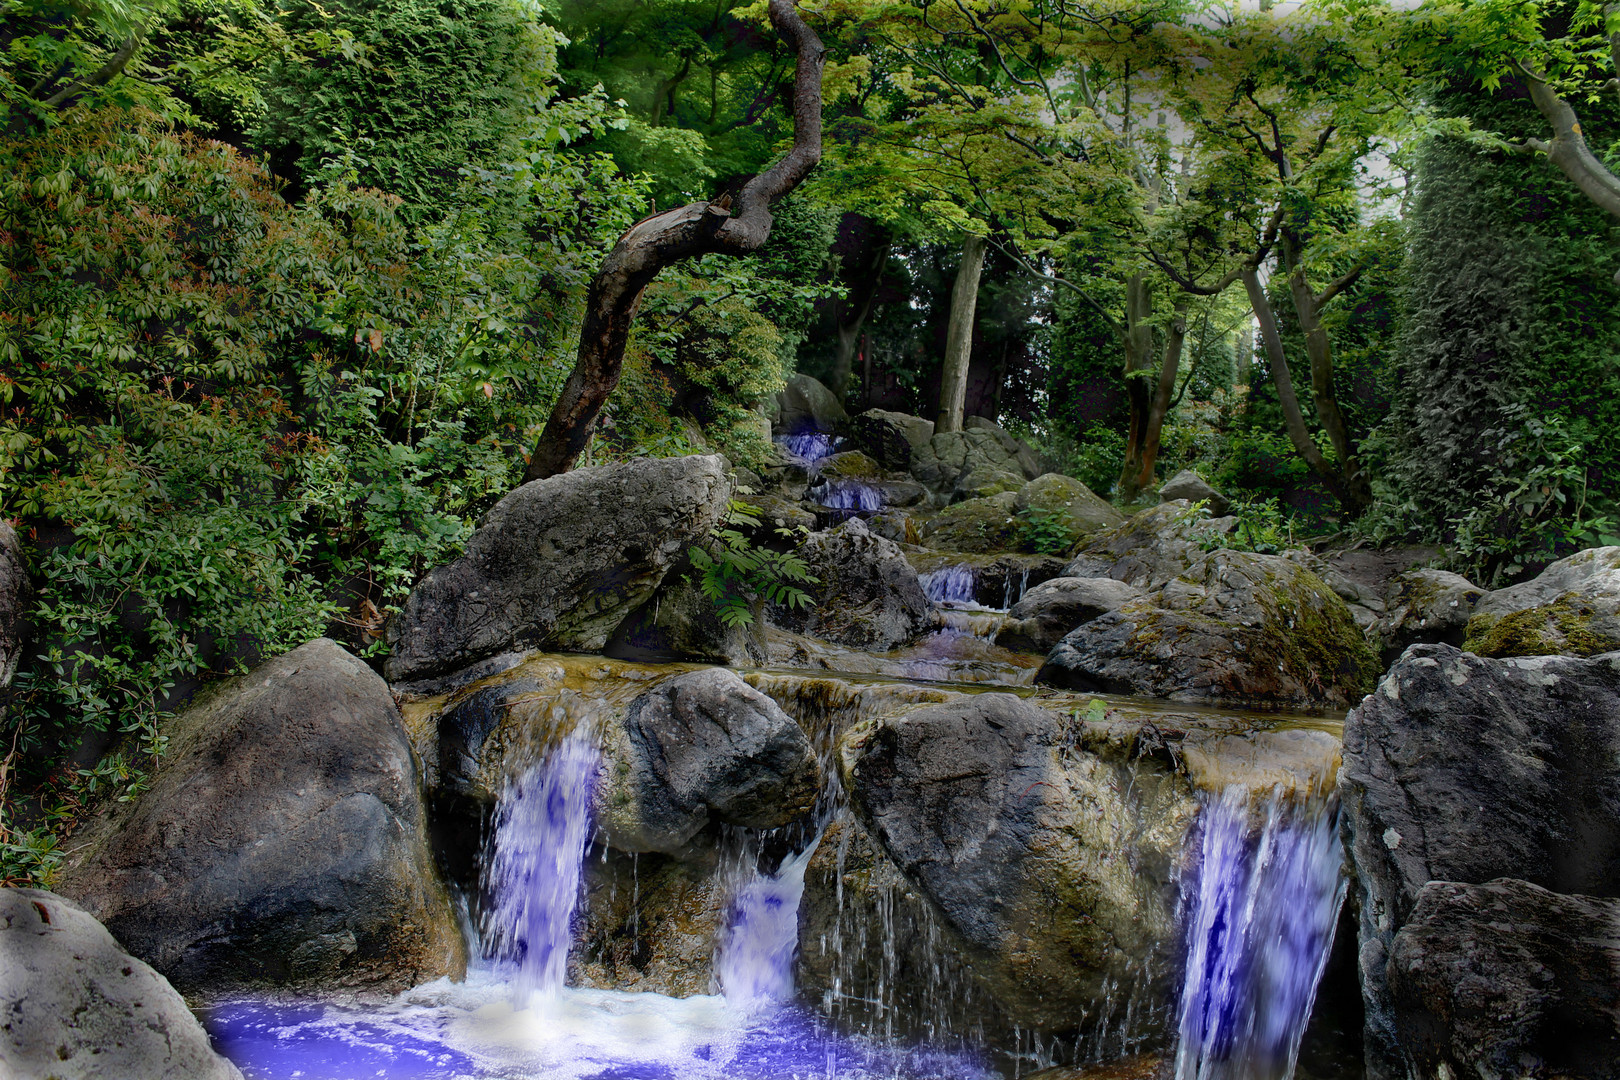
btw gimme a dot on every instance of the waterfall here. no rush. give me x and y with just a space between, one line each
1010 598
1259 933
754 959
848 495
950 585
810 446
541 828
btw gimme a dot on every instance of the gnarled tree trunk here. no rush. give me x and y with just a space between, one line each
666 238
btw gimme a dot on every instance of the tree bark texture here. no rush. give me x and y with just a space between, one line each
959 335
1277 361
1355 492
666 238
1568 149
1148 399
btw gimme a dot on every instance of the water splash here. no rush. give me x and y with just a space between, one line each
1260 931
810 446
534 871
755 957
950 585
848 495
1011 596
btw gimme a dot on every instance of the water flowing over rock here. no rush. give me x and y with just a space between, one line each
1188 485
956 584
282 840
1049 611
805 405
1464 769
866 594
1571 608
1259 932
1068 502
559 563
754 957
1238 627
1000 579
1028 847
78 1007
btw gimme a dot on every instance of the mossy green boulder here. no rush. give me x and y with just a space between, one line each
988 524
1068 502
1571 609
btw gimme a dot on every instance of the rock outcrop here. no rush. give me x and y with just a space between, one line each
1463 769
976 526
1048 612
1147 551
866 594
952 455
806 405
1236 628
1506 979
559 563
78 1007
1029 848
1069 502
890 437
282 841
703 748
1572 608
1188 485
680 622
1423 607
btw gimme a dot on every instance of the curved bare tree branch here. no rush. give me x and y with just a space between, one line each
663 239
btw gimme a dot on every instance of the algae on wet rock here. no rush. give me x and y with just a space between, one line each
977 525
1572 608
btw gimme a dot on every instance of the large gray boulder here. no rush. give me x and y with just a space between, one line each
1237 628
866 593
804 404
559 563
1030 850
1465 769
951 455
1423 606
1508 979
1049 611
283 840
703 748
890 437
1572 608
1188 485
14 598
78 1007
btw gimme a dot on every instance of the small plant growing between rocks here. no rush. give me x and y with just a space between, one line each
1047 530
1261 527
732 571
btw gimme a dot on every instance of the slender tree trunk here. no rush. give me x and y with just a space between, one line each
959 335
1149 401
1355 493
1243 370
852 317
1277 361
666 238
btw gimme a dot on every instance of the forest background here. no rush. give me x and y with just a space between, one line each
288 288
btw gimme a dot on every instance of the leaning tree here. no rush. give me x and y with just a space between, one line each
665 238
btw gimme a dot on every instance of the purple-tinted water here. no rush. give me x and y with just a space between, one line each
1260 930
755 957
534 869
810 446
848 495
950 585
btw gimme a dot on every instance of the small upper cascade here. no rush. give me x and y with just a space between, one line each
1260 929
853 495
541 829
951 584
810 446
754 960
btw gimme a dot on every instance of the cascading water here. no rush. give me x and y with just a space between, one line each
852 495
1260 929
810 446
753 962
950 585
534 869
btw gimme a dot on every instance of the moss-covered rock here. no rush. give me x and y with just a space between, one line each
851 465
1237 628
1083 512
986 524
1572 608
983 481
1149 549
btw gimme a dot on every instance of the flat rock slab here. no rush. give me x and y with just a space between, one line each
559 563
282 842
76 1006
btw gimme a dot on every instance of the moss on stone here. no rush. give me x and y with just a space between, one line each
1563 627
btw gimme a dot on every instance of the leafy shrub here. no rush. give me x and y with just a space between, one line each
1047 531
733 571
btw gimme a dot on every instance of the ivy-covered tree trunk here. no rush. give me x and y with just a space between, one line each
665 238
959 335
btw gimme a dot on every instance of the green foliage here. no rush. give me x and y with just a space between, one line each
1047 531
733 572
1261 527
424 88
1098 459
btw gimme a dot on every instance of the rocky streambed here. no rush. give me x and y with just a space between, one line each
975 811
